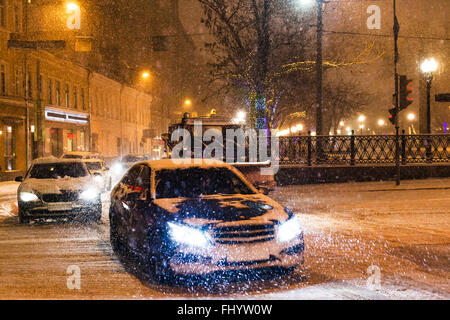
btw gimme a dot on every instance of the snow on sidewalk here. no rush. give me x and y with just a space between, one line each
8 188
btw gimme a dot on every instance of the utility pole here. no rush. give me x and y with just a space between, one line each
319 68
27 107
396 95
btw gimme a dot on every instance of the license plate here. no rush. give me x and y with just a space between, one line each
64 206
251 254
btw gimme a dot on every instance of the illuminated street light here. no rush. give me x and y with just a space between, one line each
299 127
187 102
145 75
240 117
428 67
411 116
71 6
381 122
361 119
341 124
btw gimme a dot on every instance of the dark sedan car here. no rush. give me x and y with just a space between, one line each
201 216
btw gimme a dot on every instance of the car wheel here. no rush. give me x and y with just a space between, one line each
97 215
161 271
158 261
22 219
113 234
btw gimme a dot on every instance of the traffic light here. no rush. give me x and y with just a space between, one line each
393 116
405 92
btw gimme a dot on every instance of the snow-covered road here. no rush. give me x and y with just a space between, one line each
363 241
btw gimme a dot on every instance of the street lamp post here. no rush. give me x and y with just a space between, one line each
428 67
361 120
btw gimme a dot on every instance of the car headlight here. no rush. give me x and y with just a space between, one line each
117 169
89 194
28 197
189 236
98 179
289 230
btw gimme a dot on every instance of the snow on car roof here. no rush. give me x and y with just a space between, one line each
48 160
81 153
172 164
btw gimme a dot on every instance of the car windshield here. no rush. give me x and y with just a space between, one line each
92 166
195 182
132 159
58 170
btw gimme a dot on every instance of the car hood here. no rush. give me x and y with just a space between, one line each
53 186
224 209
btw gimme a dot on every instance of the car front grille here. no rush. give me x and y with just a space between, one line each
244 234
64 196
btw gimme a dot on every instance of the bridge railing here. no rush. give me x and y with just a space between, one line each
364 149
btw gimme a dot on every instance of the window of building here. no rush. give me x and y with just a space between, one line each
3 80
160 43
75 97
17 82
50 91
29 85
83 102
2 13
17 21
67 98
58 93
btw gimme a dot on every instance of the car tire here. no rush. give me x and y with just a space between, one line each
161 271
97 215
113 234
157 261
22 219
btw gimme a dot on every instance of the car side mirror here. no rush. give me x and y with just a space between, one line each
97 174
19 179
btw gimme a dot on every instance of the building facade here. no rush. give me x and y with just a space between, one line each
50 104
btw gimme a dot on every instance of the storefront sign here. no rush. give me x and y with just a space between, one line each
54 115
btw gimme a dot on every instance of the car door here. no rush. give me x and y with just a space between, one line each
139 217
123 201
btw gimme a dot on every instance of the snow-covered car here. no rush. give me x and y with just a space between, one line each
100 171
120 166
56 188
81 155
199 216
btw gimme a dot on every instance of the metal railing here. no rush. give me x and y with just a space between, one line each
361 150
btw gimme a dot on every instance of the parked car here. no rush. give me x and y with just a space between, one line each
200 216
81 155
100 171
56 188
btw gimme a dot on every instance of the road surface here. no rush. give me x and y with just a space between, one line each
363 241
